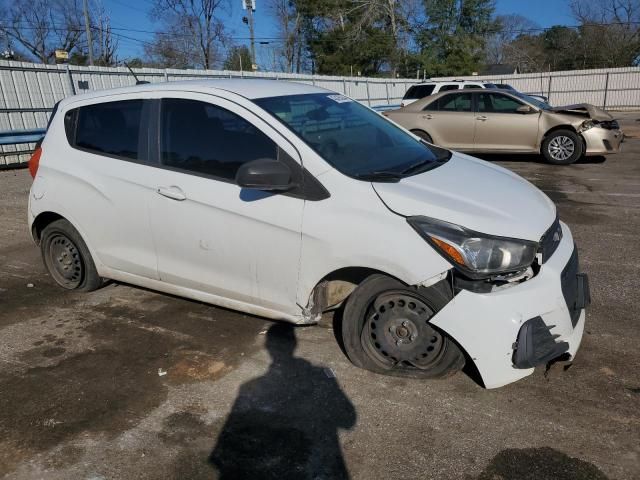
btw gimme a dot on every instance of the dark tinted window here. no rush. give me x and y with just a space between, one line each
455 103
497 103
111 128
444 88
472 86
203 138
419 91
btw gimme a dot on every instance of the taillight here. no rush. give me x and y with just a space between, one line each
34 161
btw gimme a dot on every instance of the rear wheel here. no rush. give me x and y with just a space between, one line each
67 257
562 147
386 329
423 135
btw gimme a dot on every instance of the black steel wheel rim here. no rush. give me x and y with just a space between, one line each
397 332
66 263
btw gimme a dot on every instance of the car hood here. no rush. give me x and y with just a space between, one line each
474 194
585 109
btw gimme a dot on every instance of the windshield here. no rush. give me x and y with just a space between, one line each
533 101
353 138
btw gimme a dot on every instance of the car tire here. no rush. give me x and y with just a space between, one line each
67 257
386 329
562 147
423 135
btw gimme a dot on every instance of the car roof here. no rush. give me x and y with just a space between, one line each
250 88
434 82
418 105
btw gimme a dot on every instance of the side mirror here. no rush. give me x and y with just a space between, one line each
525 109
264 174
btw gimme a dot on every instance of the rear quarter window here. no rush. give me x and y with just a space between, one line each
418 92
111 128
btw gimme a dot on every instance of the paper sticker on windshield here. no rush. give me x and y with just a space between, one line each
339 98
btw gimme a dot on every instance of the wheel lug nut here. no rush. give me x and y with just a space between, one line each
391 329
413 337
399 342
405 324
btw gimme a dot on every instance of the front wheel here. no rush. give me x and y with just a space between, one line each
386 329
562 147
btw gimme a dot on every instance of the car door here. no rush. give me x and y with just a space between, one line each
499 125
211 235
108 166
450 121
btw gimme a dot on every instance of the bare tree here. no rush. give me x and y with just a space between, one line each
41 27
510 27
193 33
107 44
610 31
291 41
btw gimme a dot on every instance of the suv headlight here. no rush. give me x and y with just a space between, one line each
477 255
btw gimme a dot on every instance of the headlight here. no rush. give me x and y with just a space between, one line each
586 125
478 255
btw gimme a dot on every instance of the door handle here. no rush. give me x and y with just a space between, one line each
482 118
172 192
427 116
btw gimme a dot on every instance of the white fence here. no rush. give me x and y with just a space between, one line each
28 91
610 88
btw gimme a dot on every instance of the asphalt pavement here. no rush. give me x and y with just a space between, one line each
127 383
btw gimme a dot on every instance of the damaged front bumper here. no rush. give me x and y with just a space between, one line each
509 331
602 141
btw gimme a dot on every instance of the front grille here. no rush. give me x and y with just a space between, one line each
610 125
550 240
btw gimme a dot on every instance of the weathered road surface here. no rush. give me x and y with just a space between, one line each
84 394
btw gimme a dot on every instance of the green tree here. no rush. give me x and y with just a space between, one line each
453 38
238 58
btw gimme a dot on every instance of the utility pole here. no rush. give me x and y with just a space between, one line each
88 29
250 7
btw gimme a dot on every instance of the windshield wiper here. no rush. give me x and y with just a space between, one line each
430 164
380 175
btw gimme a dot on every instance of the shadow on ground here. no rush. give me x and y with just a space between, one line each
539 464
285 423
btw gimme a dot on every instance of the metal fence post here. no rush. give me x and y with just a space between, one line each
166 75
368 94
549 89
344 86
386 87
73 87
606 90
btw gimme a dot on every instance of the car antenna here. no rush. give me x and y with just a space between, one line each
138 82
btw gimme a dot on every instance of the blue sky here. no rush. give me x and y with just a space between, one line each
130 14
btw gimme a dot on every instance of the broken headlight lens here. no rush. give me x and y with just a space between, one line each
586 125
478 255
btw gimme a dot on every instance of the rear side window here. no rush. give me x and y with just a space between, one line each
472 86
206 139
419 91
444 88
111 128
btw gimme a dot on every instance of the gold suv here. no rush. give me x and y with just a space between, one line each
500 122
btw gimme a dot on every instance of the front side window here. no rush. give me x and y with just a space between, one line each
497 103
206 139
111 128
352 138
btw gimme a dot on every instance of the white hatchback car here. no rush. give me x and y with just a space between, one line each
287 200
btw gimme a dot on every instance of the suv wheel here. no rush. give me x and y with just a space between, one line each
386 329
562 147
67 257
